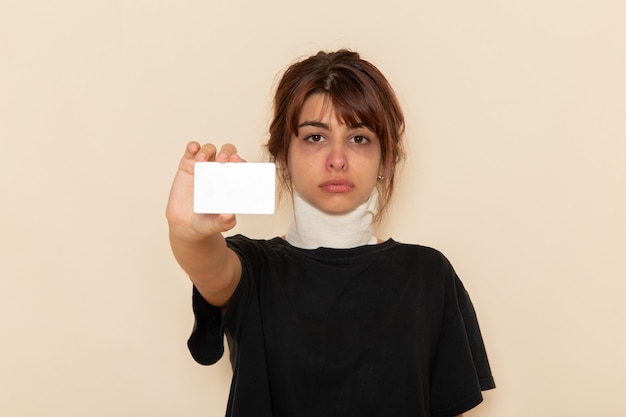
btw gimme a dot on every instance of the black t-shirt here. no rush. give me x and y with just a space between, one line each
378 330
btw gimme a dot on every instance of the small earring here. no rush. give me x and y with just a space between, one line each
380 178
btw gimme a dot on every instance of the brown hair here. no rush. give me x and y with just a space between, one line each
358 92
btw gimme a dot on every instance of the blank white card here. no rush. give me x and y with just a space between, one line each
234 187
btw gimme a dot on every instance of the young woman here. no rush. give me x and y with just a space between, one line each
329 320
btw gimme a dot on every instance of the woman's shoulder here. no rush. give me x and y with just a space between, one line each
423 257
418 249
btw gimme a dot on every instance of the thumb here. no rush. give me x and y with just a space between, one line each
227 221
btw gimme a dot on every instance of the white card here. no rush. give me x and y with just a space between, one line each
234 187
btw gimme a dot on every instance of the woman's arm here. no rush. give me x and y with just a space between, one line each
196 239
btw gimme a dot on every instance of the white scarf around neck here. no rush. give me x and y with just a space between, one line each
311 228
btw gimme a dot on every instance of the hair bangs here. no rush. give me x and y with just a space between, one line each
354 100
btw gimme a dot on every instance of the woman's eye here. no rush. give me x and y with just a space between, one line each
359 139
314 138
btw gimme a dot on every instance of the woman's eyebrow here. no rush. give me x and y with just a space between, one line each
314 124
325 126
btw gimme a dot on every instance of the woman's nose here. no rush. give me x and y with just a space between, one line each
337 158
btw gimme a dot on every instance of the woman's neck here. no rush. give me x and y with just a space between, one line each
311 228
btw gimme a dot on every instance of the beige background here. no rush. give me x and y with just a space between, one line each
516 170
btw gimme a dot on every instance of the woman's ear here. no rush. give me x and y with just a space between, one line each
284 171
381 172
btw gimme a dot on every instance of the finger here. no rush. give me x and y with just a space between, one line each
191 149
227 151
228 221
206 153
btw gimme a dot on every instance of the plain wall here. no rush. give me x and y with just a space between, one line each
516 170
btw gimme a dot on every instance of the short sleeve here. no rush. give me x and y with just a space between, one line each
461 368
206 342
475 339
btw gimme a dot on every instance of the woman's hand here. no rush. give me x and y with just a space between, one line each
196 239
183 222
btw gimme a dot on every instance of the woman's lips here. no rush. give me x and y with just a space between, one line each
337 186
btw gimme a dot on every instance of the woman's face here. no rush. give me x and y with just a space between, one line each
331 165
